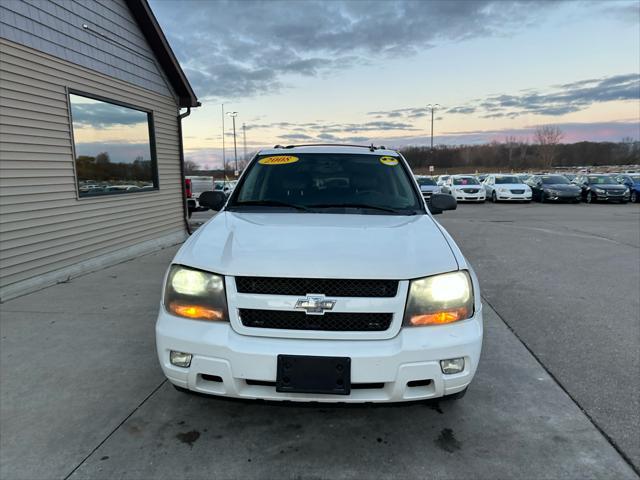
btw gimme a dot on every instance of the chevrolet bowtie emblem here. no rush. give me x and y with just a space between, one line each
315 304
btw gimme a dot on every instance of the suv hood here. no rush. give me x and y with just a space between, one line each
319 245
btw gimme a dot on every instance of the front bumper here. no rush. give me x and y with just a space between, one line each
562 196
605 197
516 197
470 197
242 366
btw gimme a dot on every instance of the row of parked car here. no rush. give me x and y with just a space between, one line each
541 187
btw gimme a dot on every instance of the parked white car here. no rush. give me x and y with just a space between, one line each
442 179
506 188
304 288
465 188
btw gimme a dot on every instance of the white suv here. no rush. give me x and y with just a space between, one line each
323 278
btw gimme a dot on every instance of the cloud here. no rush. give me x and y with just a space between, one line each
104 115
573 132
295 136
562 99
232 49
554 101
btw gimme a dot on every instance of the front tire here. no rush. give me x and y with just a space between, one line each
634 197
494 197
590 198
542 197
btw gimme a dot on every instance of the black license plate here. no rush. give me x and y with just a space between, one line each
305 374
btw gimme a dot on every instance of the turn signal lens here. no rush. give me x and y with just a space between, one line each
439 318
195 311
439 299
195 294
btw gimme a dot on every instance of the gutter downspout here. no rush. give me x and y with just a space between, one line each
185 210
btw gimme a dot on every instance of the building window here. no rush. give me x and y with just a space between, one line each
114 147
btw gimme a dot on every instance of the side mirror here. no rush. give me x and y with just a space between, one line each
441 202
213 200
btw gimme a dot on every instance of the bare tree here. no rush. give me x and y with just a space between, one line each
524 146
548 138
190 167
510 142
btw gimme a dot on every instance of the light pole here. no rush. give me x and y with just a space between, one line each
224 158
433 107
233 116
244 135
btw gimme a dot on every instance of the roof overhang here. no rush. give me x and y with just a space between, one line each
162 50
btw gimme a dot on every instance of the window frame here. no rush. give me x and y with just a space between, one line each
152 143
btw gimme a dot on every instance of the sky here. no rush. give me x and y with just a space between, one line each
364 72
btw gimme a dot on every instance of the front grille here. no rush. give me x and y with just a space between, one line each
471 190
329 287
615 192
518 192
330 321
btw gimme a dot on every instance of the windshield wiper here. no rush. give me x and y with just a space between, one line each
355 205
269 203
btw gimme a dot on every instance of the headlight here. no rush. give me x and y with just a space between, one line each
502 190
195 294
440 299
598 190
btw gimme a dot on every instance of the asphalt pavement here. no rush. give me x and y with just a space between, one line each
566 279
83 396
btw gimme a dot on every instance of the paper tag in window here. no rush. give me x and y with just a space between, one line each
389 160
278 160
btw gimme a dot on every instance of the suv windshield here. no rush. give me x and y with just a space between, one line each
555 180
506 180
328 183
465 181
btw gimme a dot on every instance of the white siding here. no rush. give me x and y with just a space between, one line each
44 227
113 44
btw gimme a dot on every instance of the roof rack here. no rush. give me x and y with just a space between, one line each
371 147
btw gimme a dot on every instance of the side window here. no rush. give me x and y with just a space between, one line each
114 147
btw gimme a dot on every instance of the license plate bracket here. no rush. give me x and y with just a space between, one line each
310 374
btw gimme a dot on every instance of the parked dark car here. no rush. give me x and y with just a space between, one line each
553 188
632 182
601 188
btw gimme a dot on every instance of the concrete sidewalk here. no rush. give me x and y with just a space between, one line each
83 396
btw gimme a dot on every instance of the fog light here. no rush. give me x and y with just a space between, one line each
180 359
453 365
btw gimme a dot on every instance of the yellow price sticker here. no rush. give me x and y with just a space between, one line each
388 160
278 160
